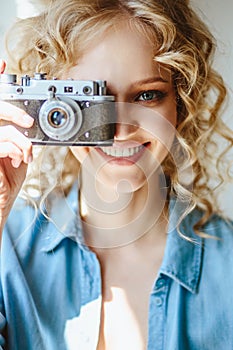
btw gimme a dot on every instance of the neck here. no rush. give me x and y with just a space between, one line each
114 219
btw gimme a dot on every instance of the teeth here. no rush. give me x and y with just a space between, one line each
121 152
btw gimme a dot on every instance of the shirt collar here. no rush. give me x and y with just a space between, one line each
183 255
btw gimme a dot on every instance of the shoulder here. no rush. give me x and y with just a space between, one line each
219 227
25 229
29 226
218 246
216 227
217 241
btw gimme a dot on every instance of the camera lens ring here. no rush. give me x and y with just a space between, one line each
68 111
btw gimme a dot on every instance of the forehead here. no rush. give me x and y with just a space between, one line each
121 39
123 50
119 25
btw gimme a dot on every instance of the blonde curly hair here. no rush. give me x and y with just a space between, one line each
53 41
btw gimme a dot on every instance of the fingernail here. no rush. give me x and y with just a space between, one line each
29 159
27 120
16 162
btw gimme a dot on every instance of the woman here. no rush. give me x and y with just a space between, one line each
124 249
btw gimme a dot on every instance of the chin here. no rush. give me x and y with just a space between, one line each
122 180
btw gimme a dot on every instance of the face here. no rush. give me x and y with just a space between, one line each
146 107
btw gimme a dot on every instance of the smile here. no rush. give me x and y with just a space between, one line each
117 152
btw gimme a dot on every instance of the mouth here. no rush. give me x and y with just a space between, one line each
123 155
116 152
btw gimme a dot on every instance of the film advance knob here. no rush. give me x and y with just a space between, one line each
8 78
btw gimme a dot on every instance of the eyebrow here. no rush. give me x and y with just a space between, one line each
150 80
139 83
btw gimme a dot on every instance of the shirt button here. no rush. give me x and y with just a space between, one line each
160 282
159 301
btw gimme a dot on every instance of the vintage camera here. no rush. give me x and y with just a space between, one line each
66 112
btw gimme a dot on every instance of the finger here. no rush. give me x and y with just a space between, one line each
16 163
2 66
8 149
14 144
15 115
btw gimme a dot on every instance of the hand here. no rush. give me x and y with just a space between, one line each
15 153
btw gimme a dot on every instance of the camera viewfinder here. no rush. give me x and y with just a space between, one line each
68 89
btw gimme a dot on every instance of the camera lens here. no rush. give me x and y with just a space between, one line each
60 118
57 118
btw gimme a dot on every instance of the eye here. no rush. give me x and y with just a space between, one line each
151 96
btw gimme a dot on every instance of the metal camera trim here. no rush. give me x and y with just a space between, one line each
73 122
81 124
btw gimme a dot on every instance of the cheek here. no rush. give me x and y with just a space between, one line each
172 118
164 127
170 111
161 130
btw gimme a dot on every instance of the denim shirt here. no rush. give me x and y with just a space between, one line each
50 297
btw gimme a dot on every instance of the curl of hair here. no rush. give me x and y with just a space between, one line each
54 41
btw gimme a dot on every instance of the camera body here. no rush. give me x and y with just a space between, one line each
65 112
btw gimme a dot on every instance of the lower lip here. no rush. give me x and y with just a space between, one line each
123 161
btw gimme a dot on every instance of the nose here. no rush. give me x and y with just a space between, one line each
124 131
126 124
